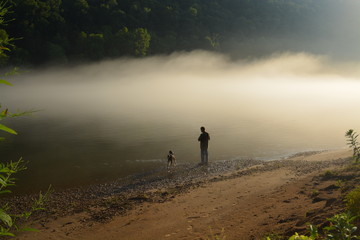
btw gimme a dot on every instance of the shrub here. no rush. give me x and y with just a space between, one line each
341 227
329 174
315 193
273 236
8 222
214 236
352 200
353 143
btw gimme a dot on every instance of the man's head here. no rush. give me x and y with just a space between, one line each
202 129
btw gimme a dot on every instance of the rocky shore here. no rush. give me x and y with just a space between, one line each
81 209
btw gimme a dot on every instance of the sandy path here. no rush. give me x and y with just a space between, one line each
190 216
246 207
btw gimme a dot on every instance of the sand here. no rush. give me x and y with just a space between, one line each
250 203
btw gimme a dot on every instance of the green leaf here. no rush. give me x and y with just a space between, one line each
4 48
6 129
5 191
7 234
4 169
3 183
5 218
2 81
29 229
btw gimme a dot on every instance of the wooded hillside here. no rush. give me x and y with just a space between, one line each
59 31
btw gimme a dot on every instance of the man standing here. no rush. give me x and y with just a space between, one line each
204 143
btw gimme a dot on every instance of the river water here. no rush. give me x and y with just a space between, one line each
109 120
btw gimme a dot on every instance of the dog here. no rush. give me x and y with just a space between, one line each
171 159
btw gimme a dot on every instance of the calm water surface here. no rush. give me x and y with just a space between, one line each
113 119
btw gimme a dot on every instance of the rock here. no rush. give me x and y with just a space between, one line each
318 199
330 201
330 187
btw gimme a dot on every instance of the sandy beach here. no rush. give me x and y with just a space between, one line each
248 202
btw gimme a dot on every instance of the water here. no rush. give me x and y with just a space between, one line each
109 120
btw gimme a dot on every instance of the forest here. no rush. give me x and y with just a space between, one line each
65 31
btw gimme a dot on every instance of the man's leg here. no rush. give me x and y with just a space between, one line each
202 152
206 156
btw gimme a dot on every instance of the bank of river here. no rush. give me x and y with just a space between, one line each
102 202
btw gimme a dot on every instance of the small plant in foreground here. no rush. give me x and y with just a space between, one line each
315 193
313 235
341 227
9 223
329 174
340 183
273 236
353 143
352 200
214 236
300 237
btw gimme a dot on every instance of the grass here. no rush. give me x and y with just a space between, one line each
330 174
315 193
216 236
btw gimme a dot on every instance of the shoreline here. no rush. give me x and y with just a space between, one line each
182 174
101 204
160 170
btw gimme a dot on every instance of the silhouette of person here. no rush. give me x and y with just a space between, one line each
204 143
171 159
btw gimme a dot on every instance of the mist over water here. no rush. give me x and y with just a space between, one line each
111 119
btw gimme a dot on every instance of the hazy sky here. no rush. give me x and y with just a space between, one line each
333 32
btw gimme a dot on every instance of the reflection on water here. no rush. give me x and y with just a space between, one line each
116 118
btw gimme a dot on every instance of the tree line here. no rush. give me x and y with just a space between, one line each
60 31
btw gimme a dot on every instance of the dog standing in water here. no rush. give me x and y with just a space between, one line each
171 159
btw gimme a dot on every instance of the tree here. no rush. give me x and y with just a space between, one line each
141 41
37 22
50 29
5 40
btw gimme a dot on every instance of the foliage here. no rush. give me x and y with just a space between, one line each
315 193
341 227
329 174
51 30
340 183
313 234
353 143
9 222
213 236
5 40
352 200
6 172
272 236
141 41
296 236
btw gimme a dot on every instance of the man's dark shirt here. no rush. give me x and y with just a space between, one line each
204 140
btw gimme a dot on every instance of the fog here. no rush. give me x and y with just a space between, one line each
114 113
199 86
